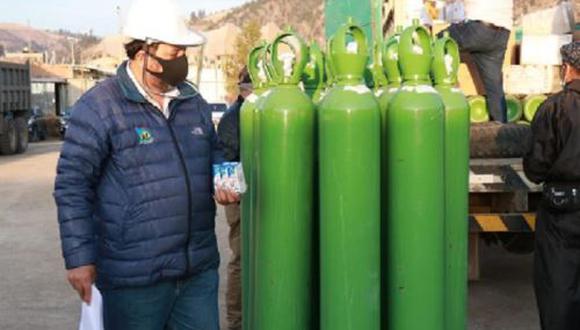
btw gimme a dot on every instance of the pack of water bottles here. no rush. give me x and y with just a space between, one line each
229 176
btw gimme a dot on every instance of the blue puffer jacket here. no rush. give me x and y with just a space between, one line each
134 190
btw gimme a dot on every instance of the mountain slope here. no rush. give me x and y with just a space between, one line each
57 45
15 37
305 16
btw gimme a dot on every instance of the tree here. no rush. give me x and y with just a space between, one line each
249 38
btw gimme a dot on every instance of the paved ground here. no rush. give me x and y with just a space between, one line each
35 295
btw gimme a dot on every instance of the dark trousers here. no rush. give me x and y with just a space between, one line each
487 46
557 269
189 304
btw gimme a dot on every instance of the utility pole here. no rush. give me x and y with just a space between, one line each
119 19
29 38
72 50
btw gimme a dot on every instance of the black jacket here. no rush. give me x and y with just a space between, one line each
229 131
554 155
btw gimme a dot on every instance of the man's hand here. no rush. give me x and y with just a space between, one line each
226 197
81 279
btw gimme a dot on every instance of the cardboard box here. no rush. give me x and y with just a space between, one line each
555 20
531 79
439 26
543 50
469 83
511 50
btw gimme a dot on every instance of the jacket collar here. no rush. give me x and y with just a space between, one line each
574 85
130 91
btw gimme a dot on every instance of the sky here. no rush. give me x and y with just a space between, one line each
100 16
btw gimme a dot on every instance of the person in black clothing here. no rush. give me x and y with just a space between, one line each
554 160
229 141
229 126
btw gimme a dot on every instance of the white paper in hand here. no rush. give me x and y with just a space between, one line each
92 315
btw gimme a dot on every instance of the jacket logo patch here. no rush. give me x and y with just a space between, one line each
197 131
144 135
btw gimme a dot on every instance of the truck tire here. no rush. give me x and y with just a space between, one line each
33 135
9 140
496 140
21 134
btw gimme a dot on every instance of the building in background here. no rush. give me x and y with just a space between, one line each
25 56
55 88
219 49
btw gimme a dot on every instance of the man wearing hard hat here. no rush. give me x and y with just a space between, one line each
554 160
134 184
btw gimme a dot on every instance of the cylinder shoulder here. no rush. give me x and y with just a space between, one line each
286 98
349 98
453 98
422 97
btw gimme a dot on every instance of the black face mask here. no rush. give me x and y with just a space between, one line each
174 71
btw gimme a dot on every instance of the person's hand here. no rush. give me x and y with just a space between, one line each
226 197
81 279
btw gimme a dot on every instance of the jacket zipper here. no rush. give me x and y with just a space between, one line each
187 182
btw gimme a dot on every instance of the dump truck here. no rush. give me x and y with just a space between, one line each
14 107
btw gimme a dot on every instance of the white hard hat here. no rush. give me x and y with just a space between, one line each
161 21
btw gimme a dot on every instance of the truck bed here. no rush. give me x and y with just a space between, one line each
14 87
501 198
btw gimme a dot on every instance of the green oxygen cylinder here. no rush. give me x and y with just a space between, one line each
515 108
478 109
314 82
380 81
349 152
531 105
444 72
265 71
283 228
415 209
314 77
247 111
390 59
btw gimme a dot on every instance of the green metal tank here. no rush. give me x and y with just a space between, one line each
257 75
314 77
515 109
283 228
314 81
265 72
444 71
531 105
478 112
349 152
390 59
415 209
380 81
